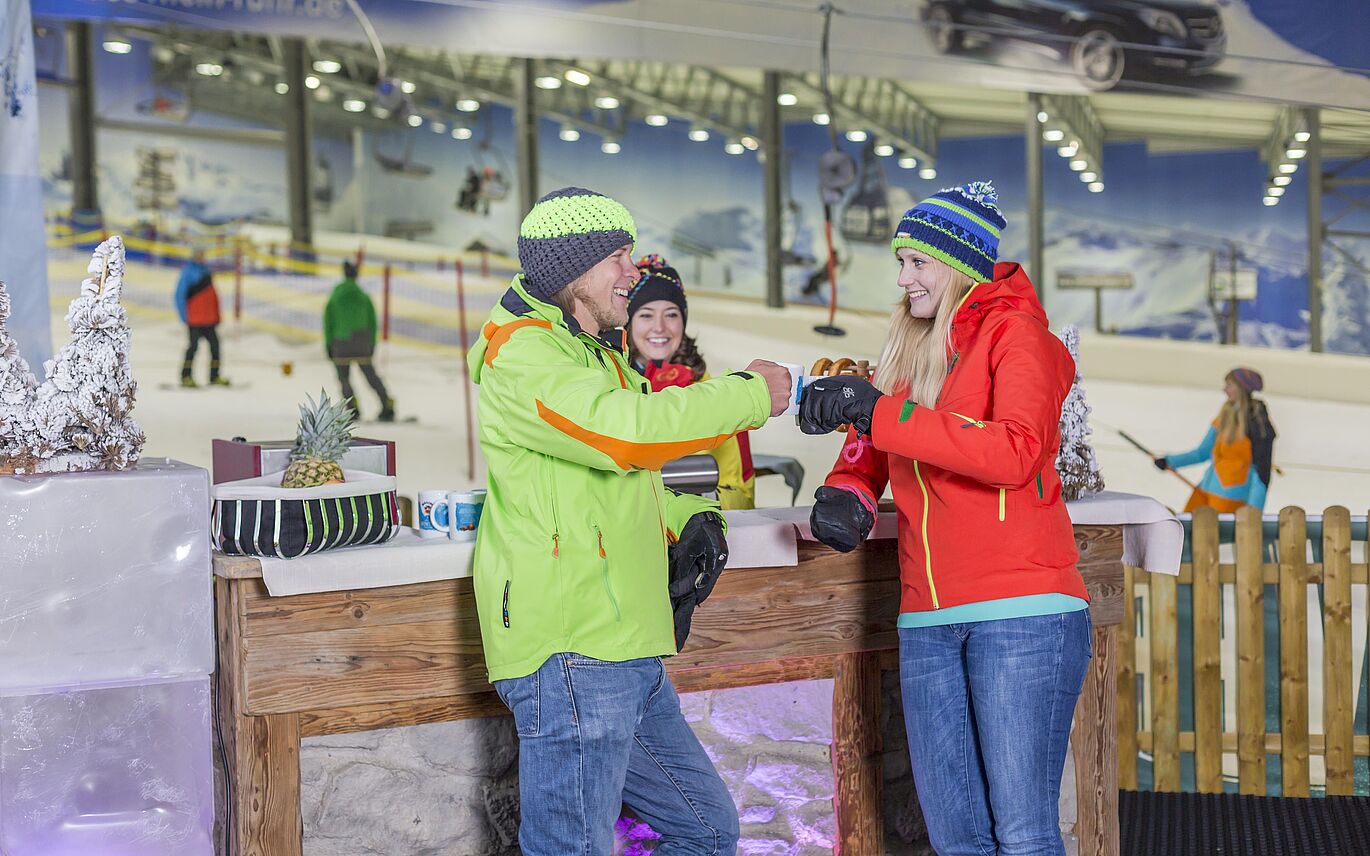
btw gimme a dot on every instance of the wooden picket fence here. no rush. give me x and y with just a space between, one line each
1258 563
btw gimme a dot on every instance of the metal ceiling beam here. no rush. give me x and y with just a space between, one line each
1075 116
883 107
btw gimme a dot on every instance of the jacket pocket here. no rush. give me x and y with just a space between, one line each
549 491
604 571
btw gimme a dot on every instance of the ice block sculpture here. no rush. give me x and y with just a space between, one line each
106 652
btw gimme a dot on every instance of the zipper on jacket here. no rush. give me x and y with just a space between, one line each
969 422
552 503
927 552
604 565
1001 505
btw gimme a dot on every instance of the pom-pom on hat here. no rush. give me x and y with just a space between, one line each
568 232
659 281
959 226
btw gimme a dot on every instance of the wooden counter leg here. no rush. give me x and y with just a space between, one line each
1095 742
856 754
263 785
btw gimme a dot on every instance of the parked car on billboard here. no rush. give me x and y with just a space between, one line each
1104 40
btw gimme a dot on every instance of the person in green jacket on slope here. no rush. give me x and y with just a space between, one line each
586 566
349 336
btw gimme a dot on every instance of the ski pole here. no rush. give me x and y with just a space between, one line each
1144 450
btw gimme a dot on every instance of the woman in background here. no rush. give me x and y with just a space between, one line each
666 356
1238 447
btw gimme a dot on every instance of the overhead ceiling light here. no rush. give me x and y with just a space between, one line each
468 105
787 99
438 127
609 147
1053 135
354 105
578 77
884 150
1079 164
908 162
569 134
1295 152
548 82
1289 168
1275 191
282 88
1302 136
254 76
1042 116
323 93
821 118
927 173
461 133
751 143
311 82
1068 150
1281 180
211 69
606 102
857 136
327 66
1269 201
408 87
734 147
116 46
163 54
380 112
414 120
1088 175
656 120
699 135
1096 187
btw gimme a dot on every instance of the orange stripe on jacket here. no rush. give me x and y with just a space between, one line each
499 335
625 453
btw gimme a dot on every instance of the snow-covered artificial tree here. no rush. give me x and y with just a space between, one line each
80 416
16 389
1075 463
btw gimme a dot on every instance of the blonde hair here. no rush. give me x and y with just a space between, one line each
915 354
1232 416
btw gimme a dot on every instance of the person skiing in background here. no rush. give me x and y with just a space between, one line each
198 304
659 348
349 336
1238 447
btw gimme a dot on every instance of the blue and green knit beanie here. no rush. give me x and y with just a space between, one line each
568 232
959 226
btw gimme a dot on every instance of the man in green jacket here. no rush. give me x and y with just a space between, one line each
579 540
349 336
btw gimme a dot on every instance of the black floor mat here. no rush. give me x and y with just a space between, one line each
1156 824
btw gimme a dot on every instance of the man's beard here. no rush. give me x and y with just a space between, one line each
605 316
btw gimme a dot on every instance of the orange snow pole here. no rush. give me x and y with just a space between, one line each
484 262
385 303
465 374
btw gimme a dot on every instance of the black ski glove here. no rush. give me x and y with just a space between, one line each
832 401
696 559
1161 463
840 519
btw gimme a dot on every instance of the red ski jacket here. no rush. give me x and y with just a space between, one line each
979 502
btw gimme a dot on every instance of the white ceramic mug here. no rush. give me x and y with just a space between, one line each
434 521
464 508
797 380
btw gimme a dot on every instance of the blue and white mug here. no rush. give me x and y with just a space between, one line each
464 508
432 513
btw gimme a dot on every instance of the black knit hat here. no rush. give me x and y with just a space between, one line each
659 281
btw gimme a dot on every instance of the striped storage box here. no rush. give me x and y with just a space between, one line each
258 517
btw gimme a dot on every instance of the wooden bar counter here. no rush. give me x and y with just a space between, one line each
342 661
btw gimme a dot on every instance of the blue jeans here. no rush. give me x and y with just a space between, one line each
987 708
595 735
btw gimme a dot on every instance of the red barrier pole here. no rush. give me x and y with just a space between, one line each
484 263
237 282
361 256
466 375
385 303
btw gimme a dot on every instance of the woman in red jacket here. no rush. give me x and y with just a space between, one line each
962 423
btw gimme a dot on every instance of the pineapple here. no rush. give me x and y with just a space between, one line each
322 439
